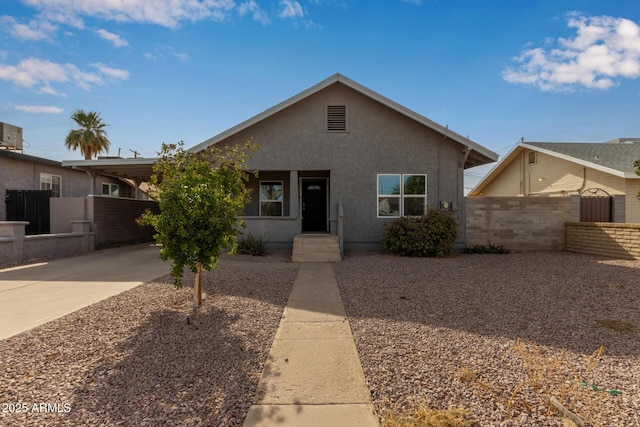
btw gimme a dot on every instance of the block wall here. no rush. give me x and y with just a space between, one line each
114 221
519 223
603 238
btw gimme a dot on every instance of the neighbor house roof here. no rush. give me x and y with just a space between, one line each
27 158
614 157
477 154
139 169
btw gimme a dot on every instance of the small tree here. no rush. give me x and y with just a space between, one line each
200 196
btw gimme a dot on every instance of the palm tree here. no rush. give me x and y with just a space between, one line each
91 138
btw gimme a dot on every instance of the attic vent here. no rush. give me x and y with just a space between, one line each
336 118
532 157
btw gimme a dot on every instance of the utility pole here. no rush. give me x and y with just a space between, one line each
135 153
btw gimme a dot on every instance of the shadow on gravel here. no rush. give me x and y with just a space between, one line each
182 367
174 373
564 300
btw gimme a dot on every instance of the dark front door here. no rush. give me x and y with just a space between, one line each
314 204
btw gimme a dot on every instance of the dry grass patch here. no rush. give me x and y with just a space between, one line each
423 416
550 382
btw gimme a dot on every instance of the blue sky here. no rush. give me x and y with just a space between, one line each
496 71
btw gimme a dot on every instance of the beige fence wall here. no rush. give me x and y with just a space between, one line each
520 223
604 238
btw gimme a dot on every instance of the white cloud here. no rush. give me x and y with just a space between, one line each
39 109
181 56
290 9
256 12
604 50
113 38
160 12
162 52
40 74
32 71
34 30
114 73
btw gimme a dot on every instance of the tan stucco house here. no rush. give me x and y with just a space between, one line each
339 145
548 169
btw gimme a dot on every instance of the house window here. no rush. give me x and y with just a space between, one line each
336 118
401 195
51 182
532 157
271 197
111 190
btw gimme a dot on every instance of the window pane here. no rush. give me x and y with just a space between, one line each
105 189
389 206
414 184
414 205
115 190
388 184
271 191
271 209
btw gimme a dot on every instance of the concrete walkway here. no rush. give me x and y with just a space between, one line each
312 376
34 294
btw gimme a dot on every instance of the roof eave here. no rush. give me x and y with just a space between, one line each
585 163
488 155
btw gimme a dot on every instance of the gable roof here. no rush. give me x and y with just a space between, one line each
477 155
615 157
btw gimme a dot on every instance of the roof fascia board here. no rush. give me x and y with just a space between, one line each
265 114
418 117
495 171
110 162
359 88
614 172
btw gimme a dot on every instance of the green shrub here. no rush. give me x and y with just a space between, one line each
432 234
489 248
251 245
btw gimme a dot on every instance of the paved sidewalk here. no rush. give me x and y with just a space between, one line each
312 376
34 294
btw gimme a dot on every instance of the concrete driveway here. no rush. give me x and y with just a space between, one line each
34 294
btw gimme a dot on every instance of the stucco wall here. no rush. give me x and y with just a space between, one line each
632 203
378 140
606 239
114 220
550 176
24 174
520 223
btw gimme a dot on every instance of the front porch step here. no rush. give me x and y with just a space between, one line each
316 248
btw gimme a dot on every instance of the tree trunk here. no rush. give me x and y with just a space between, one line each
197 288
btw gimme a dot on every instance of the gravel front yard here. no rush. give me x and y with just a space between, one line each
442 331
435 331
135 360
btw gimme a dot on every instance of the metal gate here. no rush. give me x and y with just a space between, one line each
29 205
595 208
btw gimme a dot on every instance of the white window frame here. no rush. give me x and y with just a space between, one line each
47 183
110 192
261 200
401 196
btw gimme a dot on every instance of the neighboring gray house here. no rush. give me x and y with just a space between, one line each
339 143
21 174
